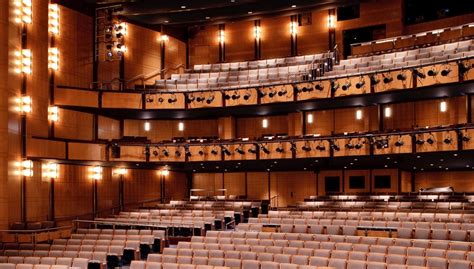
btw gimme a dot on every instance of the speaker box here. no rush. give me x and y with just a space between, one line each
115 151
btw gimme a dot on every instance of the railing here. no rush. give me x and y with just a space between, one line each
274 202
34 236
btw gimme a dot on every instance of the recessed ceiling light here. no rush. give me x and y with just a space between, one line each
167 21
293 5
207 18
183 6
250 12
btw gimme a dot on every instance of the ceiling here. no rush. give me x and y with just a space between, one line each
181 14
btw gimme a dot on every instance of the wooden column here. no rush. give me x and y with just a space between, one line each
227 127
23 134
51 213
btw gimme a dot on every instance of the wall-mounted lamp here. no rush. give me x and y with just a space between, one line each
24 168
95 172
120 171
53 113
294 28
164 172
265 123
23 61
23 10
443 106
221 36
331 21
358 114
53 58
147 126
50 171
257 32
164 38
309 118
387 112
23 104
181 126
53 19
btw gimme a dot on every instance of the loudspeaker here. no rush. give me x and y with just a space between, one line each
116 151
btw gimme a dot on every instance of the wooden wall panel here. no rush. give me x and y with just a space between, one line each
160 101
75 48
344 151
347 86
37 192
206 155
70 97
209 183
235 184
292 187
141 185
74 125
175 154
286 154
314 38
204 46
175 55
275 37
45 148
122 100
257 185
108 128
403 116
176 186
323 122
462 181
167 129
251 100
281 93
107 192
393 149
437 24
324 92
429 114
347 122
215 99
439 144
392 82
300 153
469 133
452 77
252 127
239 41
235 156
84 151
226 128
131 154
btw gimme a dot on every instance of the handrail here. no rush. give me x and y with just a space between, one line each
143 77
130 223
274 201
37 231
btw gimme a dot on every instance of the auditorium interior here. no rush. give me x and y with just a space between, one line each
199 134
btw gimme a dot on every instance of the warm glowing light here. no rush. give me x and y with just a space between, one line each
257 32
181 126
23 104
50 170
359 114
331 22
95 172
293 28
147 126
23 61
53 19
165 172
23 11
164 38
120 171
120 28
310 118
443 106
53 58
221 37
388 112
264 123
24 168
53 113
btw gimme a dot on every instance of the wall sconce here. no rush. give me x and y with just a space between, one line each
164 38
293 28
50 171
265 123
309 118
181 126
147 126
23 104
358 114
120 29
331 22
443 106
120 171
95 172
387 112
53 19
53 113
53 58
24 168
221 37
257 32
23 11
164 172
23 61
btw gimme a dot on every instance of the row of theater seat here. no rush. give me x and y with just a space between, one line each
100 255
159 265
398 197
53 263
172 219
305 240
402 207
30 266
175 213
334 259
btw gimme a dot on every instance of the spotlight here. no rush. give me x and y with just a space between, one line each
319 87
306 148
200 99
381 143
399 142
210 99
334 86
360 84
235 96
374 80
265 149
118 35
253 149
401 76
201 152
387 79
448 140
349 145
280 149
321 147
187 152
432 73
172 100
293 147
166 152
445 72
149 99
464 67
430 140
346 86
358 145
261 93
155 153
177 153
282 92
227 96
240 150
419 141
272 93
420 74
160 99
214 151
247 96
335 147
225 151
190 99
466 138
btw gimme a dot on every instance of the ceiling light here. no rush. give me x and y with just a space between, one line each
207 18
250 12
183 7
293 6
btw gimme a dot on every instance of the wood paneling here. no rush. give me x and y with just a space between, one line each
275 37
239 41
70 97
324 92
257 185
175 154
252 127
300 153
348 86
251 100
204 46
211 99
428 112
122 100
237 156
74 125
108 128
345 151
346 120
280 93
406 147
131 154
453 75
45 148
323 122
272 147
209 183
176 186
235 184
313 38
141 185
161 101
203 153
292 187
438 142
84 151
226 128
393 83
461 181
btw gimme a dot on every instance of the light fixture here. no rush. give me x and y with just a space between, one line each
221 36
443 106
164 38
387 112
165 172
331 22
210 99
293 6
346 85
254 149
166 152
23 62
358 114
53 113
50 171
121 49
120 171
95 172
147 126
23 11
309 118
24 168
225 150
293 28
306 148
257 32
240 150
280 149
387 79
360 83
53 19
181 126
265 123
23 104
120 29
53 58
293 147
320 146
265 149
